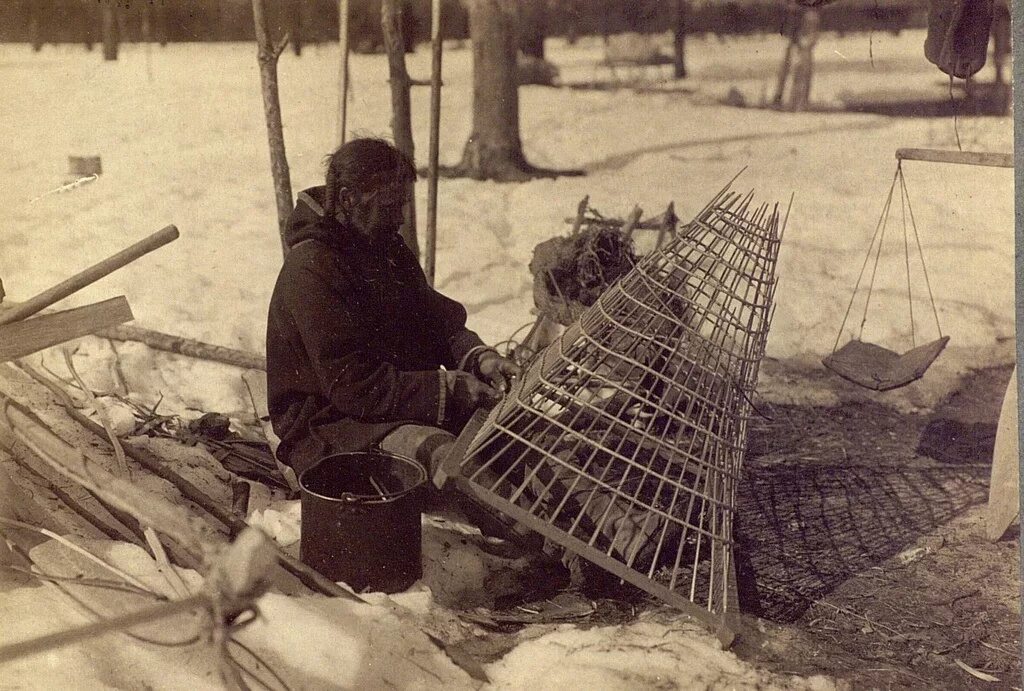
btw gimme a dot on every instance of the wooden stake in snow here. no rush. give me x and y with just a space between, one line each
401 117
267 55
435 130
343 74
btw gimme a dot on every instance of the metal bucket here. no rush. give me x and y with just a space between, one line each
361 519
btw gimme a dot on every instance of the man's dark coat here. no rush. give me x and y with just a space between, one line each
355 339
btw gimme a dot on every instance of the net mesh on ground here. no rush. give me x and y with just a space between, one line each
624 438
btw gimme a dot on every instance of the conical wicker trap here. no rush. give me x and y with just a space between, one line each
623 440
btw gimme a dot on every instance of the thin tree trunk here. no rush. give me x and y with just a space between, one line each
294 10
533 28
803 71
793 24
682 11
267 55
35 25
110 34
401 117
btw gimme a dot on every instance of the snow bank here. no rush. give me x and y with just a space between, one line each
316 642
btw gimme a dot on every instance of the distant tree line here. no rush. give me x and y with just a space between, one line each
316 21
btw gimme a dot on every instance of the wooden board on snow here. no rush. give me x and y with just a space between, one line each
22 338
1004 489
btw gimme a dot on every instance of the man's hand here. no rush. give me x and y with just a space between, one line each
466 393
497 370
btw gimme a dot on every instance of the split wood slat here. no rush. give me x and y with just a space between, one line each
192 533
70 493
22 338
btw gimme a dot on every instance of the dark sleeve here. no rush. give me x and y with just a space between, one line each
356 381
451 318
447 314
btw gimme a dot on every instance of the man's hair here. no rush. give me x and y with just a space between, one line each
364 165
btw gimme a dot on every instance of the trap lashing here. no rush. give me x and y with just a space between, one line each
624 439
875 366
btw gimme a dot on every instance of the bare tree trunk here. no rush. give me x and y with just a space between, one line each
682 12
435 133
110 33
294 10
533 27
401 118
793 25
35 25
803 71
494 149
267 55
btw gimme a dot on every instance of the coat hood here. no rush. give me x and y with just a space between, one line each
308 220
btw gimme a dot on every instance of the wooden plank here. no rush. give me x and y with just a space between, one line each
1004 488
968 158
91 275
26 337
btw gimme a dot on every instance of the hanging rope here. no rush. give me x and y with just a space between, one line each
879 235
920 252
878 228
906 254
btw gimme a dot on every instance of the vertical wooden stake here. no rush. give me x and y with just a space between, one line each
401 112
267 55
343 76
435 127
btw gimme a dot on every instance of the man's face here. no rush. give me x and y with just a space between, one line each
381 212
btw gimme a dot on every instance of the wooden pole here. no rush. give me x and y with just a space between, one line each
401 110
267 55
969 158
343 76
435 129
184 346
90 275
123 623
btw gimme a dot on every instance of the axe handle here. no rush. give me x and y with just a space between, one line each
90 275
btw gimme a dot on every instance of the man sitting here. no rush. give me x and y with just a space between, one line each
361 351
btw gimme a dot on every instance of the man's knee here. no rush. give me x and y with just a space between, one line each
427 445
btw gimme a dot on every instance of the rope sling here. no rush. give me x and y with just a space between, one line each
874 366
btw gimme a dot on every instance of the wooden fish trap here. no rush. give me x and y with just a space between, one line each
624 439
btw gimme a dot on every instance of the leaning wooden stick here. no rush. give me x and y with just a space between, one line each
90 275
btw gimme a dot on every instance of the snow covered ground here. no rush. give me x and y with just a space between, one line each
182 139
